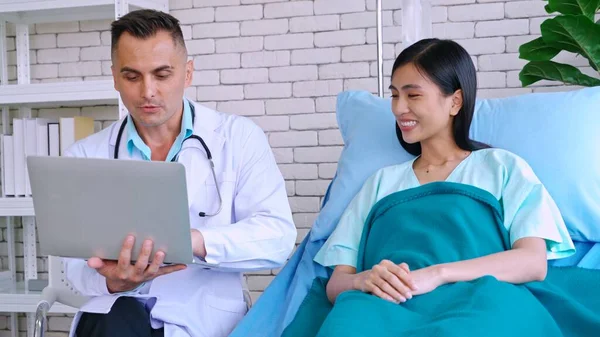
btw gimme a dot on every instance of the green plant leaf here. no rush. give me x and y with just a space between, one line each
574 7
537 50
535 71
574 33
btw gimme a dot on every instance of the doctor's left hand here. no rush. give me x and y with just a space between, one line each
198 247
123 276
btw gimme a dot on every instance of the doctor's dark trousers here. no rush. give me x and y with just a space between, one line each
127 318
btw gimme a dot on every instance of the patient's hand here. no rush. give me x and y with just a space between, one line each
427 279
122 276
388 281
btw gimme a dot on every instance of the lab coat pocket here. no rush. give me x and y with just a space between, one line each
224 314
208 200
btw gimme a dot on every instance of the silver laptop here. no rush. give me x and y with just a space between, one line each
86 207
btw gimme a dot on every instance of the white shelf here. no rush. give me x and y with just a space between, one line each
39 95
23 13
21 206
44 11
21 300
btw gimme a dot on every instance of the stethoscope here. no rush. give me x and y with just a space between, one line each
198 138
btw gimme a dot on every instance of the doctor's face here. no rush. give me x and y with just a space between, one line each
151 75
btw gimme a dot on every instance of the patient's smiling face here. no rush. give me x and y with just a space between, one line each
422 111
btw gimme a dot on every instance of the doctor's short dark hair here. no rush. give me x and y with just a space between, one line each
146 23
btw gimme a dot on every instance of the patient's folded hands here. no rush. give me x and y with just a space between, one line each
389 281
427 279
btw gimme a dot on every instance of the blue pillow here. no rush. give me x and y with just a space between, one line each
367 127
556 133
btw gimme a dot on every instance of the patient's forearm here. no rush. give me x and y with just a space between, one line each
526 262
342 279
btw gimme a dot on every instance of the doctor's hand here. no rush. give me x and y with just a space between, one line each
198 247
123 276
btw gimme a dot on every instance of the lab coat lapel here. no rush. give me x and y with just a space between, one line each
123 152
193 156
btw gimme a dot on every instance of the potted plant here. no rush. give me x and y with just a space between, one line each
573 30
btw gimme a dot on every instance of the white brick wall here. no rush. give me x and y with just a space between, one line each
340 38
314 23
215 30
265 59
282 63
293 73
265 27
288 9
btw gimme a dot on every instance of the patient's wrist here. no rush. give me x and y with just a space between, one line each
357 283
443 273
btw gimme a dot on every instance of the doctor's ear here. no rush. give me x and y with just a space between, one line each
189 72
114 76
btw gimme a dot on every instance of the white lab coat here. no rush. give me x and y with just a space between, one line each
253 231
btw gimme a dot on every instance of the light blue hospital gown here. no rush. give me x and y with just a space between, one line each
529 211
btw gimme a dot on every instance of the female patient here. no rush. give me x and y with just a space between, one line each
433 98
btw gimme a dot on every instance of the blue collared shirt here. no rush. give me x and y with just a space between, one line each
135 141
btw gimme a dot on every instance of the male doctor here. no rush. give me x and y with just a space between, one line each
252 230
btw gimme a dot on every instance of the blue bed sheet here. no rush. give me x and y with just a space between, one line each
587 256
279 303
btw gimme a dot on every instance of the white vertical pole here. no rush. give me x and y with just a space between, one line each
24 77
14 327
29 249
12 265
23 68
3 75
22 43
416 21
3 81
3 55
379 50
121 8
30 260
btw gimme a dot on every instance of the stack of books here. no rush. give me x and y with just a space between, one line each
37 137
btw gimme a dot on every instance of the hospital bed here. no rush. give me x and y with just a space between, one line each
554 131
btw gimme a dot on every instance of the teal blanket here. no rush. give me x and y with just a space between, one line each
440 223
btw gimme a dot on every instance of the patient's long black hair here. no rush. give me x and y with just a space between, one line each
449 66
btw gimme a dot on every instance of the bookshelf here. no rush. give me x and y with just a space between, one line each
16 206
45 11
22 95
48 95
